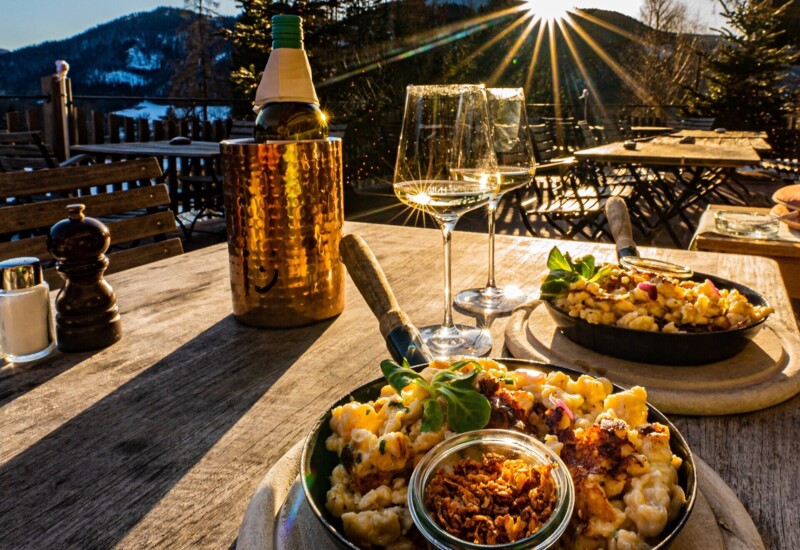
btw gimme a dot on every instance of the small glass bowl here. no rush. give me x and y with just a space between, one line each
755 225
511 444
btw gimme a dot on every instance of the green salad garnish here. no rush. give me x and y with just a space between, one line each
467 408
564 271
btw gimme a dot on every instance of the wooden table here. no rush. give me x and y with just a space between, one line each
675 175
756 140
727 134
161 440
190 171
784 249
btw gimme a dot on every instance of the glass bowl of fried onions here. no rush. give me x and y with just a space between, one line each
498 489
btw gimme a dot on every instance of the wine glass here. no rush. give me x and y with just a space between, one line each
446 166
516 165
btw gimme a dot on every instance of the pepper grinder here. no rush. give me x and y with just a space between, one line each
87 316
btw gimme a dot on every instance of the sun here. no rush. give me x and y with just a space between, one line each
547 10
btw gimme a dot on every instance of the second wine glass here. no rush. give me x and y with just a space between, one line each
446 166
516 165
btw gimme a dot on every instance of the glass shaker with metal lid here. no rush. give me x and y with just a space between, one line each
26 321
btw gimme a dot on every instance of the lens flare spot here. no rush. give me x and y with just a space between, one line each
547 10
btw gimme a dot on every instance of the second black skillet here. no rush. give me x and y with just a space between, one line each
661 348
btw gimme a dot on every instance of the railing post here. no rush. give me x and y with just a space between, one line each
56 123
98 133
33 119
12 121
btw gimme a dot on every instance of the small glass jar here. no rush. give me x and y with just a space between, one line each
26 319
508 443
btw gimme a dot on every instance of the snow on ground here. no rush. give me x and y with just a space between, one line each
154 111
139 59
145 109
117 77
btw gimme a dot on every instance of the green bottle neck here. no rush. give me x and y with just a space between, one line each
287 32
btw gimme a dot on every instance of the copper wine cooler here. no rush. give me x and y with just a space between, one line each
284 214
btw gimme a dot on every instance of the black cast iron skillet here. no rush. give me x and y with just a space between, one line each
661 348
402 339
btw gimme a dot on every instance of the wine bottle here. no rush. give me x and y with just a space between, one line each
286 100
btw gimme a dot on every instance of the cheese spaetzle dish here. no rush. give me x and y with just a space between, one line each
625 473
642 300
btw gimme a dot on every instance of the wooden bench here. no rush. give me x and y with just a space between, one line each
241 129
28 151
133 215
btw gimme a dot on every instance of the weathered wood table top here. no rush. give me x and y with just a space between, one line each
668 151
195 149
727 134
706 137
161 439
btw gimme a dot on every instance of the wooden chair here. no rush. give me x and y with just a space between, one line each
28 151
133 215
564 193
587 135
692 123
242 129
611 131
563 130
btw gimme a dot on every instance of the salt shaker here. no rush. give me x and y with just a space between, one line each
26 321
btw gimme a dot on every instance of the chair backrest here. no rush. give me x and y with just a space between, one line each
242 129
132 215
586 134
563 130
611 131
698 123
25 150
691 123
545 148
337 130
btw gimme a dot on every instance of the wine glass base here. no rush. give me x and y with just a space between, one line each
490 300
458 340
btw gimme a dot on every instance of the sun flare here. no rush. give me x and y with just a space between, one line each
547 10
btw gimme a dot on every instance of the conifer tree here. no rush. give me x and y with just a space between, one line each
746 77
252 37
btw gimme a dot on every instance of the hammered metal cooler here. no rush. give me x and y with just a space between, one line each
284 214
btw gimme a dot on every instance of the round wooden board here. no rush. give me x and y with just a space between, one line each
278 516
765 373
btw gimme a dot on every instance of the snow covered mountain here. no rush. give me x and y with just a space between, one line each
139 54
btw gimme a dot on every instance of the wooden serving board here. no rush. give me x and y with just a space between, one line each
279 517
765 373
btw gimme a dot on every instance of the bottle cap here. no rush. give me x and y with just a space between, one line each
19 273
287 31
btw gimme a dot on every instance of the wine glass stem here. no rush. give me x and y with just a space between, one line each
492 218
447 232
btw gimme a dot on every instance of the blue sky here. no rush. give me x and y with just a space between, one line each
26 22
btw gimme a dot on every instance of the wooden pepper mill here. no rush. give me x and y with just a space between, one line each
87 316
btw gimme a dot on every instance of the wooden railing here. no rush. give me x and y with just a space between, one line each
62 124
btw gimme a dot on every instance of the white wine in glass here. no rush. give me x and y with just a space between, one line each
516 167
442 199
445 136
